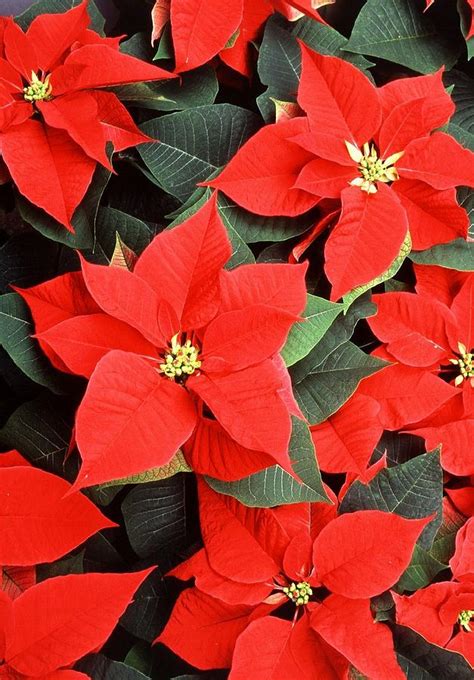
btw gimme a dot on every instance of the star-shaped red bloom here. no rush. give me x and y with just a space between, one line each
373 149
255 561
53 116
444 612
179 352
429 389
203 29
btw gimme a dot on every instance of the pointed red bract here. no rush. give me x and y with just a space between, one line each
240 542
45 153
130 420
346 440
356 556
62 619
37 523
190 259
369 223
203 630
262 174
348 626
202 29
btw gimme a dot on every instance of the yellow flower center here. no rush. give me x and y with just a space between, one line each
464 619
299 593
371 168
180 361
465 363
39 89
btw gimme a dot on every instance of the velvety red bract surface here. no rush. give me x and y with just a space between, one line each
352 554
238 321
50 524
61 619
203 30
68 122
423 334
398 121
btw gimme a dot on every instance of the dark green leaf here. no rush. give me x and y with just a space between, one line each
146 616
412 490
421 660
327 386
133 232
155 516
140 658
27 259
444 542
190 90
16 330
99 666
255 228
461 125
274 486
194 144
420 572
397 30
319 315
57 7
40 430
458 254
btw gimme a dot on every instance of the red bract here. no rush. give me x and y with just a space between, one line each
37 522
53 116
372 148
58 621
442 613
428 340
168 344
254 561
201 30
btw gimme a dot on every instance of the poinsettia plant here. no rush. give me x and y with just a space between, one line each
54 114
236 340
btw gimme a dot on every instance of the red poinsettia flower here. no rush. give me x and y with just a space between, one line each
429 389
169 346
201 30
373 149
52 114
53 624
443 613
255 561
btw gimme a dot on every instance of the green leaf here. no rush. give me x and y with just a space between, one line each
405 249
279 66
140 658
397 30
99 666
420 572
16 330
155 516
461 124
177 464
150 609
134 233
190 90
465 197
444 542
256 228
319 315
457 254
68 565
41 431
421 660
26 259
275 486
83 219
412 490
326 40
57 7
327 386
194 144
